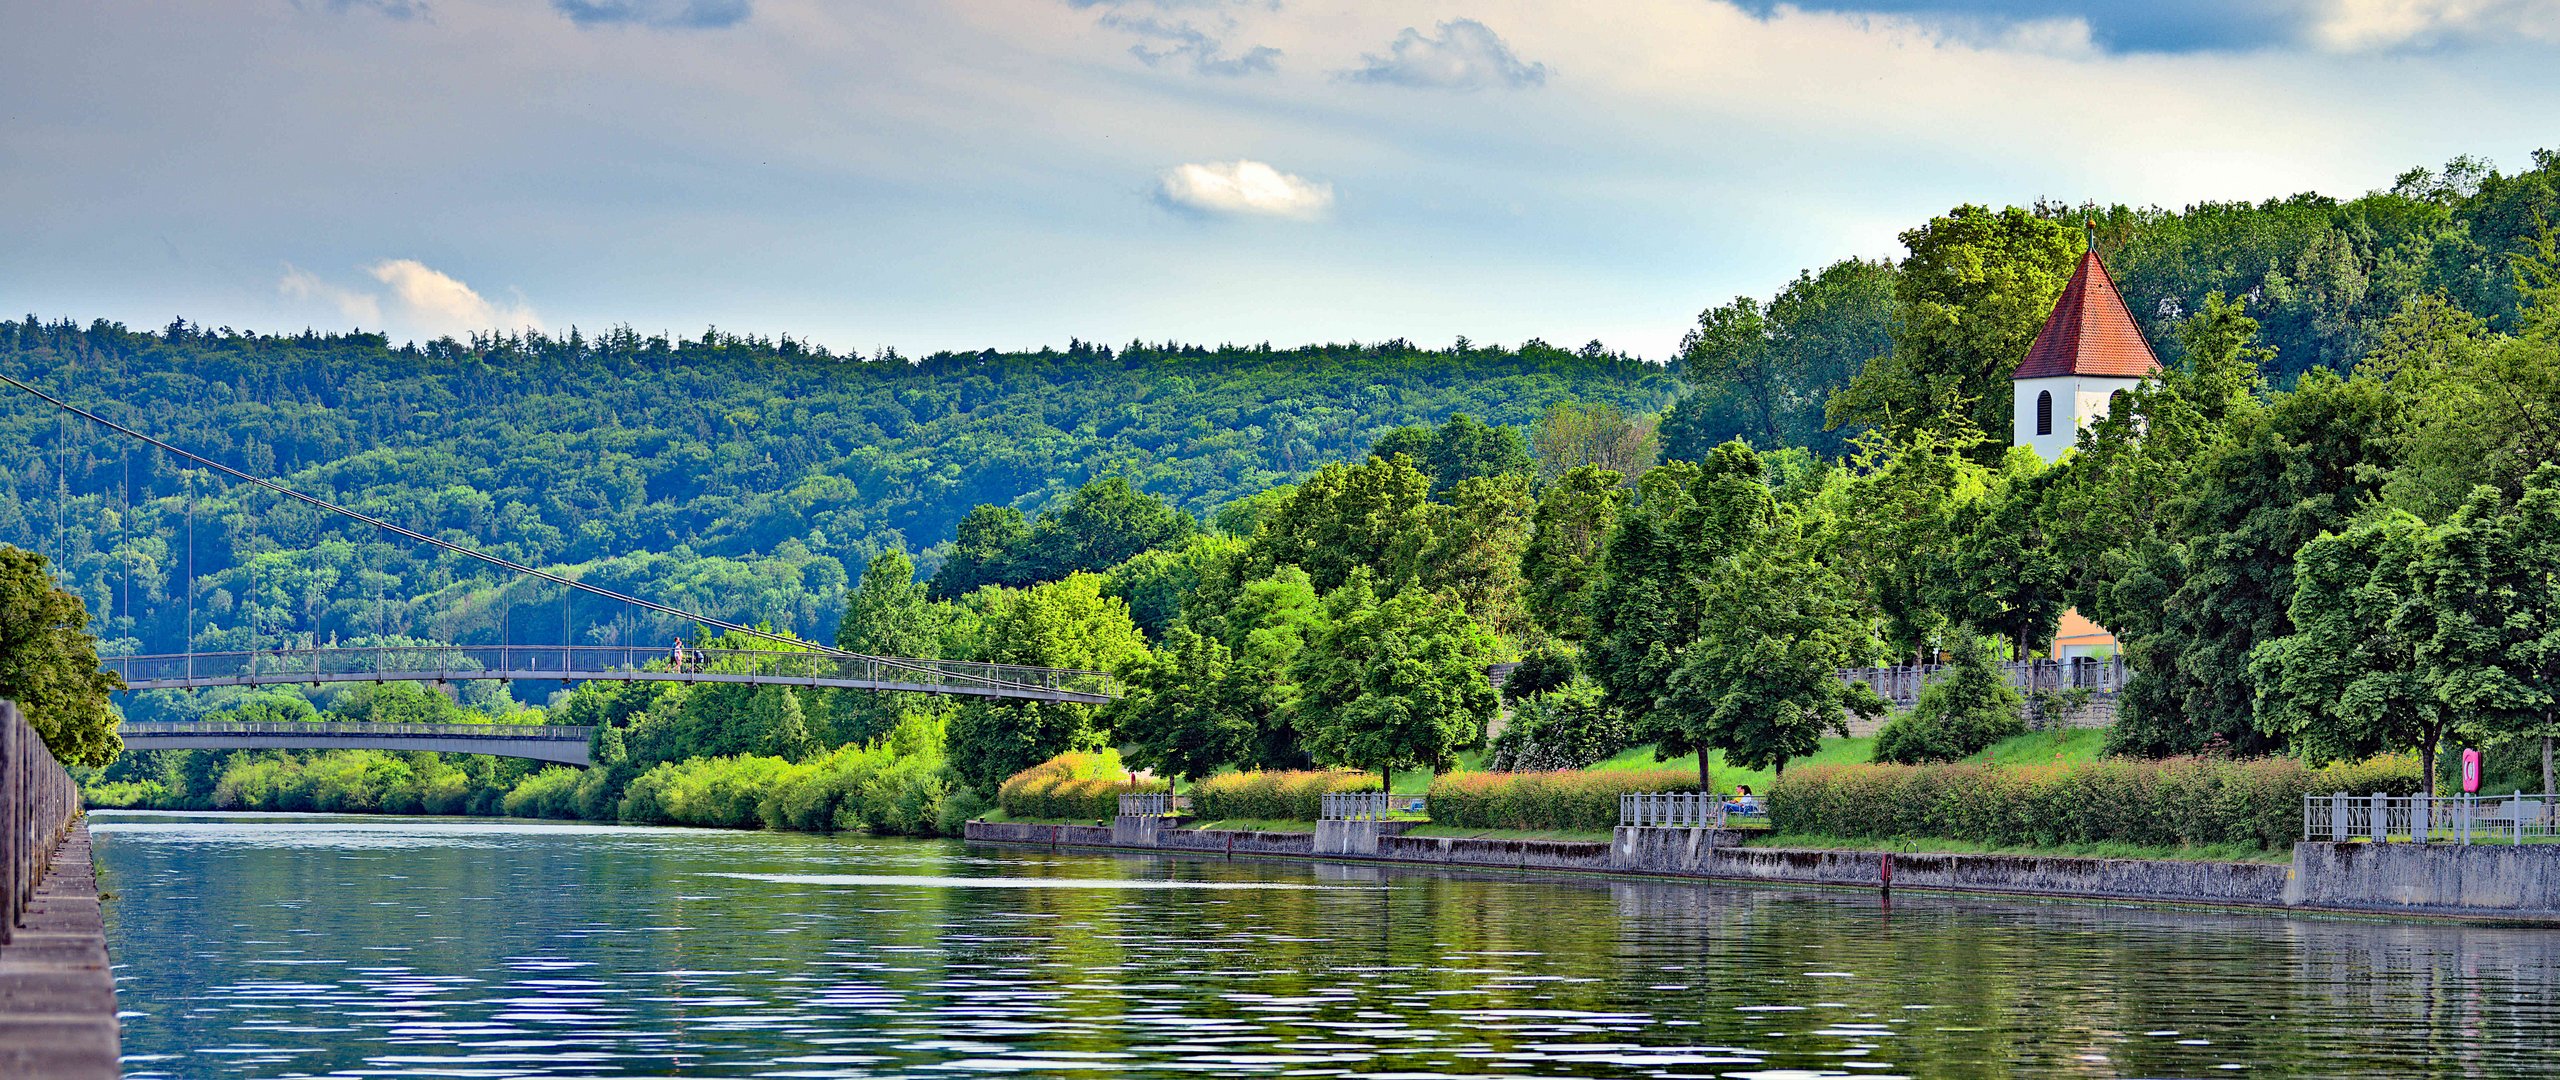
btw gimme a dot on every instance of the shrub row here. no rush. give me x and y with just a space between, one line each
1276 795
852 787
2168 803
1582 801
1074 784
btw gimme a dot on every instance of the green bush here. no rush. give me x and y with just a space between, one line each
2174 802
1957 716
1075 784
1276 795
1565 728
551 793
1564 799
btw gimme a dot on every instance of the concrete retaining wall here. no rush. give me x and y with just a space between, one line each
2434 878
2439 879
57 996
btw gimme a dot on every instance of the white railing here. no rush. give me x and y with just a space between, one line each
1689 810
1157 804
1365 805
1902 684
2421 819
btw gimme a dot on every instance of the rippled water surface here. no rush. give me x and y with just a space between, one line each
281 946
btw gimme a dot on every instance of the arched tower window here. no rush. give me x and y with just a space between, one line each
2044 412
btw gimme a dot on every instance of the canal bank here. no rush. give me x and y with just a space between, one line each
2437 880
57 996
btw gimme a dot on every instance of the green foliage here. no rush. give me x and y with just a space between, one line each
1066 624
1568 727
2166 803
1764 375
1570 799
742 476
1538 673
1596 435
1153 583
1461 448
1561 561
1968 303
1075 784
2485 610
2347 683
1274 795
49 663
1103 524
1375 516
1393 683
1962 713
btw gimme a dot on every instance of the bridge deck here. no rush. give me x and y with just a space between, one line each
559 744
520 663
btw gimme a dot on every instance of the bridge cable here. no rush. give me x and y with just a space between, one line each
447 545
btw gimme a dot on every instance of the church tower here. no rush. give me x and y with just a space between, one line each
2089 351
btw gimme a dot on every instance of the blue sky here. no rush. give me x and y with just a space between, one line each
1009 173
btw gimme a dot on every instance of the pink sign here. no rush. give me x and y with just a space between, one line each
2471 770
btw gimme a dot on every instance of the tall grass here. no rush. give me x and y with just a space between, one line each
1075 784
1581 800
1274 795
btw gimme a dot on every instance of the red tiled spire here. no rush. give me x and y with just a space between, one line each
2089 332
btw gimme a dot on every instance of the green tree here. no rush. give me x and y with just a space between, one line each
1960 714
1574 435
2487 610
1461 448
2001 573
1562 560
987 550
1760 680
1394 683
2348 682
1376 516
49 663
1969 302
1477 543
1762 374
1186 715
1890 522
1649 600
1068 624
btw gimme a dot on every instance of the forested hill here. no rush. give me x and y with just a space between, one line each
744 475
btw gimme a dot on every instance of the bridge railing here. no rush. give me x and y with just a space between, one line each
1902 684
38 803
558 732
572 662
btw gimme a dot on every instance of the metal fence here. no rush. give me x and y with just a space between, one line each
574 662
38 803
547 732
2422 819
1157 804
1902 684
1365 805
1688 810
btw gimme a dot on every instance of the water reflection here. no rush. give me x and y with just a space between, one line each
313 946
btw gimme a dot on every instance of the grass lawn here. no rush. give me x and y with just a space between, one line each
1833 752
1255 825
2068 747
1000 815
2213 852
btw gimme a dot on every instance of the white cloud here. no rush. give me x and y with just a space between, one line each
2367 25
421 300
1467 55
1245 187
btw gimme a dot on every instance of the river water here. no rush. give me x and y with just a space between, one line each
294 945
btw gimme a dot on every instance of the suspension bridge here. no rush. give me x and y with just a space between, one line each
791 662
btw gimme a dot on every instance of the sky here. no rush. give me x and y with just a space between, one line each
970 174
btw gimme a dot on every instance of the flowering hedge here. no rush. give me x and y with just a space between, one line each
1565 799
1074 784
2169 803
1274 796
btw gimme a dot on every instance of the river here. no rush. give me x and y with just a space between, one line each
305 945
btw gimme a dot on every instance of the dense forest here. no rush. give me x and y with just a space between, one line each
1308 556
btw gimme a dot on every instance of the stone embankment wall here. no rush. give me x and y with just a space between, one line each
2434 879
2479 879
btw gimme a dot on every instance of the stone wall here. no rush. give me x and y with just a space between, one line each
57 995
2478 879
1510 854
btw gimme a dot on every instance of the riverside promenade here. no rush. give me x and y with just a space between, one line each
2504 883
57 995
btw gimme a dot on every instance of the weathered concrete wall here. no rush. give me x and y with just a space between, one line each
1236 842
57 996
1023 832
1127 831
1511 854
2181 880
1652 850
2436 878
1347 837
